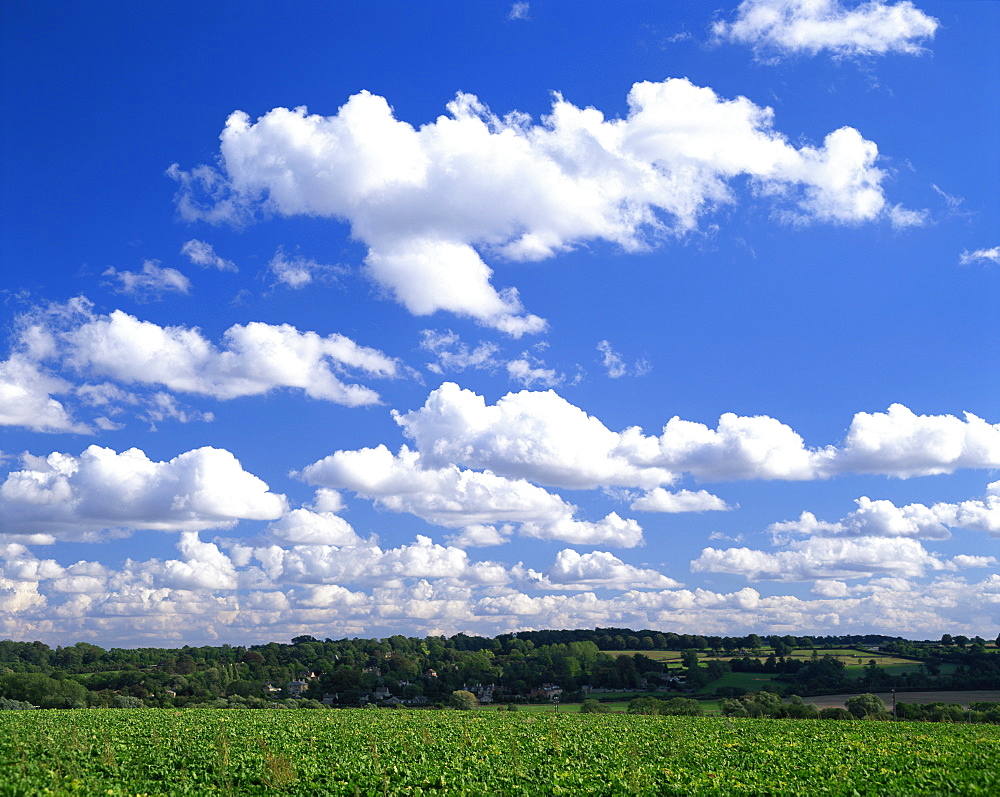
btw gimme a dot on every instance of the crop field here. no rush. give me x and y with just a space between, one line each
383 752
849 656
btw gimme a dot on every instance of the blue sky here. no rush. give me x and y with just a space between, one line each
353 319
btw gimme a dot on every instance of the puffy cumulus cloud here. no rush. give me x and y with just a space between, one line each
542 437
660 500
589 571
963 561
871 519
255 358
901 443
366 563
740 447
811 26
991 255
19 596
534 435
305 527
26 397
431 202
203 568
611 530
150 283
479 535
823 558
882 518
454 498
101 490
203 254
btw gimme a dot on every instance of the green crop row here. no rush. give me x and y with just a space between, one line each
204 752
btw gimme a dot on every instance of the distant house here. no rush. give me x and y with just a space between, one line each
546 692
430 674
382 693
330 698
297 687
484 694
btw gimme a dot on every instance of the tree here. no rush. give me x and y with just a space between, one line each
866 705
463 700
592 706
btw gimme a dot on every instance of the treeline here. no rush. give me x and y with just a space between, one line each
540 665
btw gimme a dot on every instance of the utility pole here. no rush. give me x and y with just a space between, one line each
894 704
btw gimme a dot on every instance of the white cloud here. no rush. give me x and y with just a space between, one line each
204 567
823 558
431 202
304 527
811 26
162 406
612 360
901 443
150 283
101 490
518 11
611 530
534 435
660 500
367 563
542 437
871 519
596 570
991 255
529 371
963 561
296 271
878 537
455 498
883 519
479 535
454 355
203 254
26 398
423 588
255 358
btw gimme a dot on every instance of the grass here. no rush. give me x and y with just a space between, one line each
751 681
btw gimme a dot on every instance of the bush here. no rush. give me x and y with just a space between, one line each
865 705
463 700
835 714
591 706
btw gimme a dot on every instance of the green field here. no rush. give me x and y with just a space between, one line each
381 752
751 681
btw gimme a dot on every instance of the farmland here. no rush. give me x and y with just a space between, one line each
169 752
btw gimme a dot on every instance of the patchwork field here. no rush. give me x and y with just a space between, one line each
962 698
390 752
